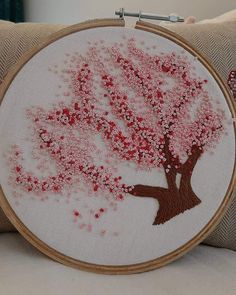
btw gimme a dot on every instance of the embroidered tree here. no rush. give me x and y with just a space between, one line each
149 109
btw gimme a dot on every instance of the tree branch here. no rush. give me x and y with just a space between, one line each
147 191
190 163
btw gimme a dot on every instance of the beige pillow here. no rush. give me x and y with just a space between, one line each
216 41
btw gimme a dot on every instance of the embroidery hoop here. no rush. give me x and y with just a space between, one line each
140 267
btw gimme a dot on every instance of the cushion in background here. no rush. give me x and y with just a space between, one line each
24 270
217 42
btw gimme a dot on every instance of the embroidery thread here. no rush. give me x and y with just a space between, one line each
150 110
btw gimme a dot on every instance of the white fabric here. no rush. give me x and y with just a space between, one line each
205 270
130 227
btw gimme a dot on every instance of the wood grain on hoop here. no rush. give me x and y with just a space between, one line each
149 265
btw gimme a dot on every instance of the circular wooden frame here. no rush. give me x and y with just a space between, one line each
140 267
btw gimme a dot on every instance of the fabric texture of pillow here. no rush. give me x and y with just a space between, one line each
217 42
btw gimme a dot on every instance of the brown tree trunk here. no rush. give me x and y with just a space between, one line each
172 200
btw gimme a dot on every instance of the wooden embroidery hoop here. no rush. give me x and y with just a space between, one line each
140 267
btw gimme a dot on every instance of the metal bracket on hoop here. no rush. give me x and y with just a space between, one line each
171 18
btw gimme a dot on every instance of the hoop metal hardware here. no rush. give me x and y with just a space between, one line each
171 18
